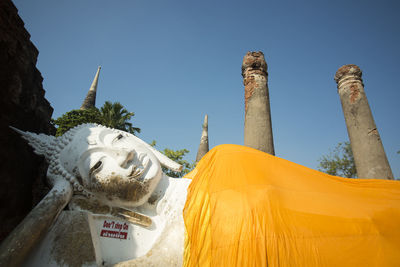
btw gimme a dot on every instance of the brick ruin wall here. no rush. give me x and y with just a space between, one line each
22 105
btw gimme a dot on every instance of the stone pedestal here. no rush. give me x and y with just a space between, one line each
369 155
257 123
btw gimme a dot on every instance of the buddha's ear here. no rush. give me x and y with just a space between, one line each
164 160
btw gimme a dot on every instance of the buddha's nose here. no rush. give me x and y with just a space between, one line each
128 158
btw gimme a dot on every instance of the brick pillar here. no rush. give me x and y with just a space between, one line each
257 122
369 155
203 147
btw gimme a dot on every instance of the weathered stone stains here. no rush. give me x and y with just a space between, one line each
203 147
118 187
93 206
374 132
26 235
253 64
80 247
354 92
249 85
369 155
79 178
254 61
153 198
257 122
90 100
349 69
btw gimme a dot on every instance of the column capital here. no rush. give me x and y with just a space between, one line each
348 70
255 62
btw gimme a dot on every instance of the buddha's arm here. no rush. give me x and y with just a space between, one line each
30 231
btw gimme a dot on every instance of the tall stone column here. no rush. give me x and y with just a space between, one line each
203 147
369 155
257 122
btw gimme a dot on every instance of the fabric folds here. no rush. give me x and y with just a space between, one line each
248 208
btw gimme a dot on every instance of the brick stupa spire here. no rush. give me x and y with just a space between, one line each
203 147
90 100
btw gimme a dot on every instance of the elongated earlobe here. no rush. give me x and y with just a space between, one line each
165 161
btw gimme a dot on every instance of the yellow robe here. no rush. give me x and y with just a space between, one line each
248 208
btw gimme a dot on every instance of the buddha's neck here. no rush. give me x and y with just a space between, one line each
170 192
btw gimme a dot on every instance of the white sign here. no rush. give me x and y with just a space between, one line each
114 229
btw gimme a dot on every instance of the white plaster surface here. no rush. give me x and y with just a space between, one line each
159 245
114 174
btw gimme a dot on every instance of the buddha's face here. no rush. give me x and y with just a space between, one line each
114 165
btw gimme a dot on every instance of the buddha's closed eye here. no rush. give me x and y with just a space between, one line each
120 136
96 167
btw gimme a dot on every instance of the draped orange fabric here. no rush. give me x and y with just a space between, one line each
248 208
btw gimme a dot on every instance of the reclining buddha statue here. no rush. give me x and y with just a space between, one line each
238 207
121 206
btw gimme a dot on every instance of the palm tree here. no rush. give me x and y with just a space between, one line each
116 116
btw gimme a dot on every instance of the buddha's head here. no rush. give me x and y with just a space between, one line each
111 165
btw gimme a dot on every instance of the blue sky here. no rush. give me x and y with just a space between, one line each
172 62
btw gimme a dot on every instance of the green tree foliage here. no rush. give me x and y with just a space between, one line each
340 162
76 117
177 156
112 115
116 116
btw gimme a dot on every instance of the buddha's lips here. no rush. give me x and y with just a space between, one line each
137 172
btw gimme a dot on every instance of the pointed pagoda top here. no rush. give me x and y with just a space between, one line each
203 147
90 100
